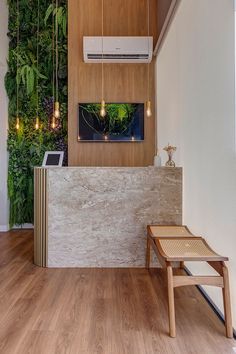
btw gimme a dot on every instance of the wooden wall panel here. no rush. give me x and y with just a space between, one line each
163 7
123 82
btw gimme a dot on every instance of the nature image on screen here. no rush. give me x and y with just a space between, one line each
123 122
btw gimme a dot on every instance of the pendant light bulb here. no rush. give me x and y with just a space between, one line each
53 125
149 109
17 123
148 103
37 123
57 110
103 109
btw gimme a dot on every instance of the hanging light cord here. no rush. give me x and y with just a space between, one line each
56 50
17 60
37 82
148 17
102 50
53 53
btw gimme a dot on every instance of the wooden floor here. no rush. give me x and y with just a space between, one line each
106 311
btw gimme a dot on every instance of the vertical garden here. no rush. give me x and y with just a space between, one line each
30 88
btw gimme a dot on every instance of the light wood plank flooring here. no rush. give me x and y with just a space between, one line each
105 311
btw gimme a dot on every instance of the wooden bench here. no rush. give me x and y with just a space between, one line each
177 244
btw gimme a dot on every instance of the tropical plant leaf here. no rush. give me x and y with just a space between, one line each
48 13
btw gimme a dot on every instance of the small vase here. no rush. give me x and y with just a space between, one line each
170 151
170 162
157 161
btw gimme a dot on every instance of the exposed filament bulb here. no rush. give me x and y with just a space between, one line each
37 123
17 123
149 109
103 109
57 110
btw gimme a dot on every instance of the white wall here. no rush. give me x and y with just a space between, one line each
3 116
196 112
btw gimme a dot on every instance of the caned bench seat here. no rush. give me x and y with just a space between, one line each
178 244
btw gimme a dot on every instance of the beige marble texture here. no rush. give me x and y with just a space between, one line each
97 216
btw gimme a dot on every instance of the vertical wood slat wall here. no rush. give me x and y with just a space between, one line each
122 82
40 217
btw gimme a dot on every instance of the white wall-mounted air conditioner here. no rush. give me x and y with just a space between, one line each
118 49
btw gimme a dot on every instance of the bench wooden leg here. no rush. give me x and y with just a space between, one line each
226 299
171 301
148 253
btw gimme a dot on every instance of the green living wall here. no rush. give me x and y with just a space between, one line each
27 145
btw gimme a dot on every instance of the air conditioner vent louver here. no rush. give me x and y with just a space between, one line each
117 56
118 49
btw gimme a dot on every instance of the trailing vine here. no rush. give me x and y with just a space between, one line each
27 145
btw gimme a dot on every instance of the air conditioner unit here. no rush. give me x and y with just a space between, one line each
118 49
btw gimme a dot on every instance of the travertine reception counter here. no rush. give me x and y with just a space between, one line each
97 216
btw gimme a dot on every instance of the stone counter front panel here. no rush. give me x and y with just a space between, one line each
97 217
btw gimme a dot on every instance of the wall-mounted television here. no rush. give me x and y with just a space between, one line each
123 122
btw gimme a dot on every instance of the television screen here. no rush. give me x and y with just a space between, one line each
122 122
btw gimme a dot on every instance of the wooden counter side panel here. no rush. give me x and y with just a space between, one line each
40 217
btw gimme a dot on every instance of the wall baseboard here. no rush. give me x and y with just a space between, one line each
4 228
23 226
215 308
